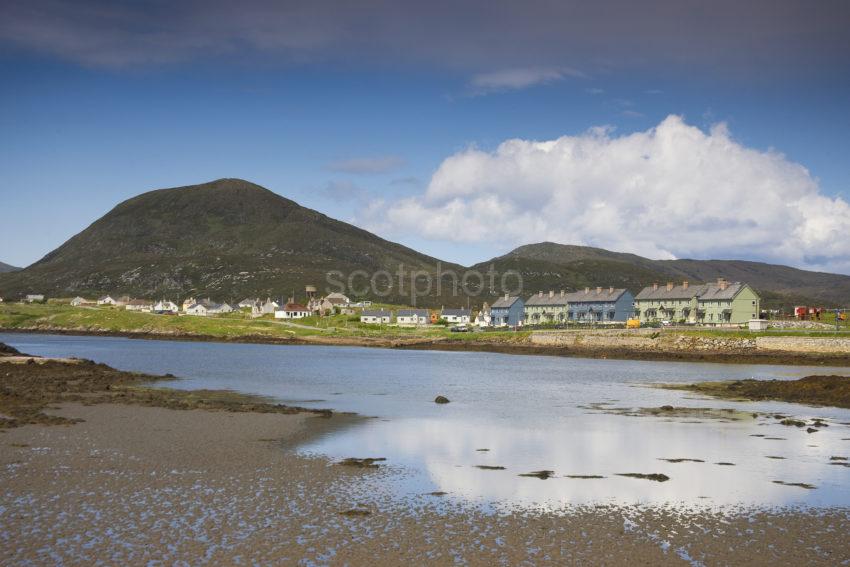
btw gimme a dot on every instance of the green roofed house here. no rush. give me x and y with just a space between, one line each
546 308
732 303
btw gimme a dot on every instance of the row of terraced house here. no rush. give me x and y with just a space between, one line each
723 302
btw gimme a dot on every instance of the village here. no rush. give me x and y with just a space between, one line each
717 304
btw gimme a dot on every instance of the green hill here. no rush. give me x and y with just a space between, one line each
554 266
226 239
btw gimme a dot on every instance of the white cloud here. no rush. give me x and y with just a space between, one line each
367 165
671 191
518 78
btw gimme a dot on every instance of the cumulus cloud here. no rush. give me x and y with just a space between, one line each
518 78
367 165
672 191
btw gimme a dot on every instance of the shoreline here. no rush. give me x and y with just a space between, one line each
103 478
473 345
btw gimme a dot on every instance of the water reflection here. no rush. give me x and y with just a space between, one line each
530 412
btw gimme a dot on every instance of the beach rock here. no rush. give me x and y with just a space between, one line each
657 477
441 400
490 467
805 485
367 463
542 475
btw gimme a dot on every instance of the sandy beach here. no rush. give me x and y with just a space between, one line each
132 484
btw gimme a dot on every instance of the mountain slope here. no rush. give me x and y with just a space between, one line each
4 268
228 238
584 265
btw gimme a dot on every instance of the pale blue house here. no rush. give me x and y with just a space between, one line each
507 311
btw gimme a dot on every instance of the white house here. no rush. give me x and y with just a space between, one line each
337 299
198 309
413 317
483 319
138 305
165 306
80 301
376 316
247 303
106 300
188 303
456 316
33 297
266 307
218 308
292 310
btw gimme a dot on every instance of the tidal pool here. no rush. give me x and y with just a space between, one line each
524 413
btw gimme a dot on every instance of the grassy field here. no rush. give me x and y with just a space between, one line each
236 326
232 326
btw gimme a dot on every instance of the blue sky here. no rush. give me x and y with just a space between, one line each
357 135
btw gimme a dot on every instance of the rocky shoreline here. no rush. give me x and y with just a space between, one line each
678 348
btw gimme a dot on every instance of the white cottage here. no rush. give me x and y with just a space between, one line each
165 306
413 317
292 310
376 316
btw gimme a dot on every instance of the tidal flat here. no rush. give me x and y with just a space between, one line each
590 466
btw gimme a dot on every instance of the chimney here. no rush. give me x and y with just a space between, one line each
586 290
562 293
598 290
551 293
506 297
685 284
654 286
669 286
611 290
539 294
721 282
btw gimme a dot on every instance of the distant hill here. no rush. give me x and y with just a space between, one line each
228 239
548 265
4 268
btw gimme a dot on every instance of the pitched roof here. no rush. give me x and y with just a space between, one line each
594 295
413 313
294 307
703 292
542 298
677 292
457 312
713 291
505 302
376 313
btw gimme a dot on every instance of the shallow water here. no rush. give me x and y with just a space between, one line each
530 412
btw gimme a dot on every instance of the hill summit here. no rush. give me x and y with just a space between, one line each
228 238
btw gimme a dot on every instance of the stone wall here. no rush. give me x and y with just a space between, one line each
646 340
829 345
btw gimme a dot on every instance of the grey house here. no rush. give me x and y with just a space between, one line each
599 305
507 311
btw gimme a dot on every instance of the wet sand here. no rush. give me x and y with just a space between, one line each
132 484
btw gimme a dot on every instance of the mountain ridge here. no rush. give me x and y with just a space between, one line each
5 268
231 238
